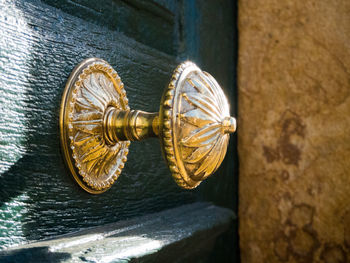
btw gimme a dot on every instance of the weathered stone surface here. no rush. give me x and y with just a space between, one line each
294 130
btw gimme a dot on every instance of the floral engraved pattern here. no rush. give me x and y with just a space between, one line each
195 141
99 164
207 142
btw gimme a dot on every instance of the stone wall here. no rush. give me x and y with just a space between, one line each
294 130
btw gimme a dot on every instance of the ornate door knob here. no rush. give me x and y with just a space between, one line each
97 125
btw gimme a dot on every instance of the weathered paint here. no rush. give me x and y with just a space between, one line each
184 234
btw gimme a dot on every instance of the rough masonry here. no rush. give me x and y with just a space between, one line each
294 130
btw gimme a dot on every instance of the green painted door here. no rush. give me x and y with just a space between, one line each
40 44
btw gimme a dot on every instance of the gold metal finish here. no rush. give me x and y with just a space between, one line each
195 125
132 125
97 124
92 88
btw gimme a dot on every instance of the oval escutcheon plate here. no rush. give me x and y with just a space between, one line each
91 89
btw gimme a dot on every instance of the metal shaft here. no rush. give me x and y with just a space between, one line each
131 125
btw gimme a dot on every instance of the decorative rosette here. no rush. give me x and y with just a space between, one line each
94 88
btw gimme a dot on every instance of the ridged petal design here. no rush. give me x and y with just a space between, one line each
92 88
193 110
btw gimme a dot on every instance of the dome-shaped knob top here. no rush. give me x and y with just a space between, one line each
195 124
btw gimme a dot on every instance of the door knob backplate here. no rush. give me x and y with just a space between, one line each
97 125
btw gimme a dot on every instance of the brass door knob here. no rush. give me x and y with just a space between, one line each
97 125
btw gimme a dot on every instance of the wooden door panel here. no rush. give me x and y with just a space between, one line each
189 233
148 22
40 45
